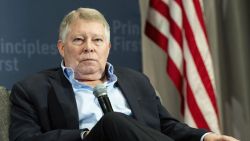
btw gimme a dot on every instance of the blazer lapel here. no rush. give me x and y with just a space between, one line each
62 103
130 92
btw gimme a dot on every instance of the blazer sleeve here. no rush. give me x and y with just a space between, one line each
177 130
154 114
172 127
25 123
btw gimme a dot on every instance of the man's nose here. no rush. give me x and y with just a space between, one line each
88 47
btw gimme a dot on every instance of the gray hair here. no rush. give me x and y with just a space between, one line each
85 14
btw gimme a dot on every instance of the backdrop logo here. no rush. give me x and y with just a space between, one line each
23 48
9 64
125 36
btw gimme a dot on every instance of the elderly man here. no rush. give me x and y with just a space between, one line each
59 104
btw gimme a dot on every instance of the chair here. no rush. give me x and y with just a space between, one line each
4 114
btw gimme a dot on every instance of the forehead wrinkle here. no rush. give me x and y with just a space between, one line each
78 32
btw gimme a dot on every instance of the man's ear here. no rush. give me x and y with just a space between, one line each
60 47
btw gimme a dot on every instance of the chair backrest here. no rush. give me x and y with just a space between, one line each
4 114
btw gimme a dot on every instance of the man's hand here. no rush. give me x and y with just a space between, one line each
216 137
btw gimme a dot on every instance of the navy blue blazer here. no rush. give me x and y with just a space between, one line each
44 108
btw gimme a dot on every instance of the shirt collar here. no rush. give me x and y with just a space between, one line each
69 74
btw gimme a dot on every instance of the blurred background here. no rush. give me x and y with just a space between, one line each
29 33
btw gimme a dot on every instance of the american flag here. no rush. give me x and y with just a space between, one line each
177 27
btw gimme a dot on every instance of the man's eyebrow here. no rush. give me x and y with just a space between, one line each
99 35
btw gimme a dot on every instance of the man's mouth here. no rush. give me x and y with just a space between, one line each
88 59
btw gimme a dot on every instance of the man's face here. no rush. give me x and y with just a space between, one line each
85 49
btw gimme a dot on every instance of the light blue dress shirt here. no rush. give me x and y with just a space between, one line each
89 110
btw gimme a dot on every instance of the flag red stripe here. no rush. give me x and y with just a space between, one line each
161 7
156 36
198 10
195 110
179 2
174 74
199 62
176 77
176 32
